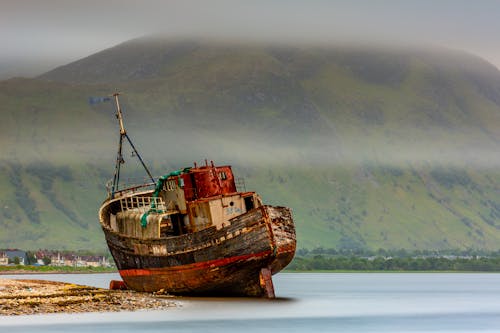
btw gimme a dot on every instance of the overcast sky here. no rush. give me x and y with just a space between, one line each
37 35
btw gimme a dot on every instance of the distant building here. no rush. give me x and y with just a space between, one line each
4 260
93 261
12 254
70 259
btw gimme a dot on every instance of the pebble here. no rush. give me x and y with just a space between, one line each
25 297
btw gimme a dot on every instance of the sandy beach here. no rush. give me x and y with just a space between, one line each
25 297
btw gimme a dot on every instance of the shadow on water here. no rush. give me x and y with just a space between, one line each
236 299
284 300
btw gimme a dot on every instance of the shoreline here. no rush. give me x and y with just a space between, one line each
29 269
32 272
28 297
285 271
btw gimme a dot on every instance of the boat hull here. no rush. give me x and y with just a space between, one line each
237 259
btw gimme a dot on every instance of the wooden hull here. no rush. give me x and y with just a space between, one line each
237 259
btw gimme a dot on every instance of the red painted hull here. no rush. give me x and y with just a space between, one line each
238 276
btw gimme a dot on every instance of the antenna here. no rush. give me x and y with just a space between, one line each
119 156
119 113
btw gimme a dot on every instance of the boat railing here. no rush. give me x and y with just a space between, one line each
130 185
142 203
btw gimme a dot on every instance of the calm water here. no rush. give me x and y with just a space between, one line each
308 303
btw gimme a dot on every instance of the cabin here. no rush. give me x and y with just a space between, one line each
184 201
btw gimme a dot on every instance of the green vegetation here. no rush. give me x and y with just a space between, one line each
370 148
53 269
395 264
382 260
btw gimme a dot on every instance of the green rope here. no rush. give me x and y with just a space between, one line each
159 186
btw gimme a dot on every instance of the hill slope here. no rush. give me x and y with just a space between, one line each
371 148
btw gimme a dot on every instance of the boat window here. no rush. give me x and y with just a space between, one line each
171 185
222 175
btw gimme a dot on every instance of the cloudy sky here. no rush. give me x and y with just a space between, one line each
37 35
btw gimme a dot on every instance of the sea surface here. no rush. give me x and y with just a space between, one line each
307 302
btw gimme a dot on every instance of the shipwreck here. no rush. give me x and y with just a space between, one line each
194 232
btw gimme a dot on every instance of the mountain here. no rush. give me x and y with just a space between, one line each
372 147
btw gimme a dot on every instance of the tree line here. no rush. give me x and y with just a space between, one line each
395 260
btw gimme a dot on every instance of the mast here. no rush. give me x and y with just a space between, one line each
119 156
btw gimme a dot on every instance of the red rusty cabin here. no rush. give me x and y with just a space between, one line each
208 181
206 196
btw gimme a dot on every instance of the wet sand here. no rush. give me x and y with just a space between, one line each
24 297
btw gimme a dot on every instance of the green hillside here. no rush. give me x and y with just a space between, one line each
372 148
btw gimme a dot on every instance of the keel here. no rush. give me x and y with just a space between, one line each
266 282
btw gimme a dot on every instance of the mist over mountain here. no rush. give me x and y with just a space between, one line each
373 147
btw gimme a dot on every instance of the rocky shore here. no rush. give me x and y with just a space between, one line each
24 297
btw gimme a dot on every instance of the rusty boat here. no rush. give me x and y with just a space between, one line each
194 232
